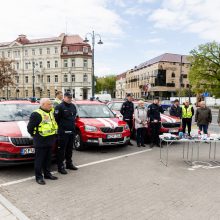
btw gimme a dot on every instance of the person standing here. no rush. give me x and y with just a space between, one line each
58 98
153 114
203 117
140 116
65 115
187 114
43 127
127 110
175 109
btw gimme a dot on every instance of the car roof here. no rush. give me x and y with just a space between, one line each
87 102
19 102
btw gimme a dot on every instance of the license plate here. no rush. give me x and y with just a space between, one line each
173 130
110 136
25 151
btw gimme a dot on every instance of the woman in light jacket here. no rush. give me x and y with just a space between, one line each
140 116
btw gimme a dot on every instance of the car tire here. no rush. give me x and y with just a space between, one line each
79 146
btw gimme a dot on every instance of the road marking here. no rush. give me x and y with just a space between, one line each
79 166
15 211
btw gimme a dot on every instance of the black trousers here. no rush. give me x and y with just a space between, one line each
130 123
65 148
140 133
155 131
186 122
42 161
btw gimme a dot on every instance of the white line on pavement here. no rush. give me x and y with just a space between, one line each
16 212
79 166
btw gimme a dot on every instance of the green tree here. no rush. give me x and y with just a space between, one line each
204 74
7 73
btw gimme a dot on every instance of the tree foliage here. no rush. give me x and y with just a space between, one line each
204 74
7 73
106 83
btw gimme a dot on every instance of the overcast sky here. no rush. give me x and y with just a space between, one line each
133 31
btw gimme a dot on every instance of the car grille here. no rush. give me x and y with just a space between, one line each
22 141
171 125
111 130
112 140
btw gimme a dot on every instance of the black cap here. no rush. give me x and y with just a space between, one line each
129 95
68 94
156 98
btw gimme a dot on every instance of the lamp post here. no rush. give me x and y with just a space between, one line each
93 35
181 77
33 77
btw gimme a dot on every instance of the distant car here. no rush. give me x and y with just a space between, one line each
166 104
97 125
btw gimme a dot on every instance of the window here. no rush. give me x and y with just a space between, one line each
9 53
55 49
73 63
65 78
3 54
17 79
26 53
48 50
184 76
33 51
48 93
173 75
48 64
85 78
15 53
65 63
17 65
65 49
73 93
56 79
73 78
41 64
26 66
40 51
56 64
85 64
48 79
85 49
26 79
18 53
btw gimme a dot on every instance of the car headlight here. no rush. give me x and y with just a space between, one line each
4 139
90 128
127 127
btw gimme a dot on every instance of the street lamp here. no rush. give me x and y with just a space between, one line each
33 77
93 36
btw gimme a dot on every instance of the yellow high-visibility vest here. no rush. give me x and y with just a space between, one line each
187 112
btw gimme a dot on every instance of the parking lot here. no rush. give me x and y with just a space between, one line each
119 183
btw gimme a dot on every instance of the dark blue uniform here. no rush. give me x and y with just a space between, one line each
65 115
127 110
153 114
176 111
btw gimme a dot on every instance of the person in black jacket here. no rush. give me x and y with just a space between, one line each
65 115
127 110
42 144
153 114
175 109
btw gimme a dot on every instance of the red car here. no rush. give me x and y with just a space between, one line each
97 125
16 145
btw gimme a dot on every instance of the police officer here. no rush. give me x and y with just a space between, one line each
43 127
153 114
58 98
187 114
65 115
127 110
175 109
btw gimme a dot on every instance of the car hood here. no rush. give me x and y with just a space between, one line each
14 129
169 119
102 122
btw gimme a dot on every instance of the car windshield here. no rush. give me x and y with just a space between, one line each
94 111
16 112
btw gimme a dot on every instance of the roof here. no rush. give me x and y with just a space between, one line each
72 39
166 57
122 75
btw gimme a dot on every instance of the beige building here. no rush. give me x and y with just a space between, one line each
120 86
161 76
47 65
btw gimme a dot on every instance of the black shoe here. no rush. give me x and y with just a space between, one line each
143 145
129 143
62 171
51 177
41 182
151 145
71 167
138 145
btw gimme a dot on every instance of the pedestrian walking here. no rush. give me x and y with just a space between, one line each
43 127
175 109
203 117
187 114
65 115
58 98
140 116
153 114
127 110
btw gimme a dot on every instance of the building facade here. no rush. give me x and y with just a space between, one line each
163 76
120 86
47 65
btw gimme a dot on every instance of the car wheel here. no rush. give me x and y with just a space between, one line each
78 142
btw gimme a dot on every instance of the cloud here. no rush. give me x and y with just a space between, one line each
195 16
137 11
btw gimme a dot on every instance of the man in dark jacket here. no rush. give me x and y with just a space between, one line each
65 115
175 109
203 117
127 110
153 114
43 127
